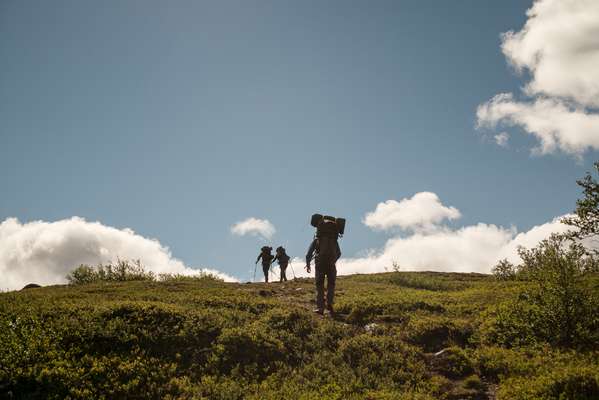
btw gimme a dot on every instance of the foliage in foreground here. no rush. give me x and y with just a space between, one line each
212 340
557 306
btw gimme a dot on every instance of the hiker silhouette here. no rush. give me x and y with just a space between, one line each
266 256
283 260
325 250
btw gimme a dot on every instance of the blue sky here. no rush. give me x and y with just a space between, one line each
179 119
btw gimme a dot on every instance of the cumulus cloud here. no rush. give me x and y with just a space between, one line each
45 252
502 139
555 125
559 48
255 227
423 211
474 248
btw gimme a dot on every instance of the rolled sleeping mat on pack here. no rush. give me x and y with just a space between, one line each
316 218
340 225
329 218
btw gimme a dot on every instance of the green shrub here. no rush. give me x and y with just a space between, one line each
558 384
390 309
435 333
473 382
504 270
452 363
495 363
382 360
125 271
121 271
434 282
556 307
363 311
248 351
515 323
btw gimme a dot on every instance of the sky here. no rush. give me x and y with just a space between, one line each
190 133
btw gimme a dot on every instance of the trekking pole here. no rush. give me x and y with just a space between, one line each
291 265
254 279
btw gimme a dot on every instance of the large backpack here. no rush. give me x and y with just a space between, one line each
283 257
327 233
266 254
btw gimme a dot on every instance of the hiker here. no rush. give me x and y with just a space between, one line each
283 259
325 250
266 257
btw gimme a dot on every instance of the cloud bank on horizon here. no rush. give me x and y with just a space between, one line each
559 50
254 227
45 252
474 248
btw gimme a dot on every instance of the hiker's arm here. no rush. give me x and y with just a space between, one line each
259 257
310 254
338 252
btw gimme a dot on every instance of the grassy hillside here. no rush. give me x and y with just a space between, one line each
215 340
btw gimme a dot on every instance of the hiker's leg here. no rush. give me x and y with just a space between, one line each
284 273
319 280
331 279
265 269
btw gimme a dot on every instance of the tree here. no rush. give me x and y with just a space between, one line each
586 215
504 270
558 266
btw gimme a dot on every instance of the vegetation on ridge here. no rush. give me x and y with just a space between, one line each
215 340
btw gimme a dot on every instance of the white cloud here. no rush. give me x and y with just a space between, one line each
421 212
555 125
559 47
532 237
255 227
45 252
502 139
475 248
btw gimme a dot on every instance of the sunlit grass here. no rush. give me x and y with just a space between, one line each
202 338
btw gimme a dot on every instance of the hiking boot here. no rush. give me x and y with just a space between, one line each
330 310
319 311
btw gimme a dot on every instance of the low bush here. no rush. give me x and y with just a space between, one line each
563 383
247 351
426 282
436 333
126 271
504 270
383 360
556 306
452 363
496 363
121 271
